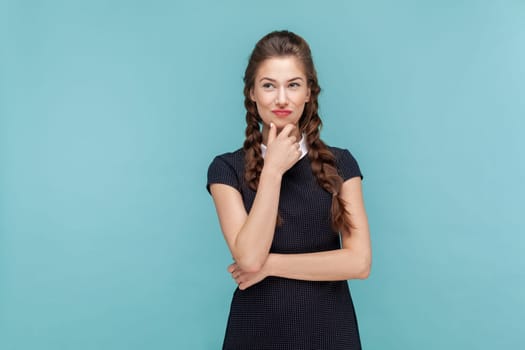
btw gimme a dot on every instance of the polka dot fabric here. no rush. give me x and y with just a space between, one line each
285 314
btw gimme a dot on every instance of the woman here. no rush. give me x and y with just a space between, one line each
291 210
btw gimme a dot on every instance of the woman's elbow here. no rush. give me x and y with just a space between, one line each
361 268
249 264
364 271
358 268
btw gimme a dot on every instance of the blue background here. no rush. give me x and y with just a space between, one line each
110 112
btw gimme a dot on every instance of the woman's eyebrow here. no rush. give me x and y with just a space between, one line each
273 80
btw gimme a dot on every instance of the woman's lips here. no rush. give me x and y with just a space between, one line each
281 112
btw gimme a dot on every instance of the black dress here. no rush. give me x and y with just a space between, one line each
281 313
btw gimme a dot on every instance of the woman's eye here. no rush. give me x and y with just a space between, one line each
267 85
294 85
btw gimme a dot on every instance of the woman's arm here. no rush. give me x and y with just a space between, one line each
352 261
249 236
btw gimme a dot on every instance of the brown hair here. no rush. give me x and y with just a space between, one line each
281 44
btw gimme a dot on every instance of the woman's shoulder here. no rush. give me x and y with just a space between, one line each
346 162
229 161
226 168
339 152
233 158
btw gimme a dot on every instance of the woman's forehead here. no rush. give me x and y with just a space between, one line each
278 68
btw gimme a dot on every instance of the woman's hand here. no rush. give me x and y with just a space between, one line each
282 151
247 279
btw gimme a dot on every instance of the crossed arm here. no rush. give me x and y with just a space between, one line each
249 238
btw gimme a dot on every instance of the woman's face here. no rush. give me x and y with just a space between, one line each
280 92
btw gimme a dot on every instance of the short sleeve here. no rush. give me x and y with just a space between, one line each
348 166
221 172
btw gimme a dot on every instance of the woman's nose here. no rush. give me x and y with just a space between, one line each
281 97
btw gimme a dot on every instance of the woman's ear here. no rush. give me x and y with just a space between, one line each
252 95
308 95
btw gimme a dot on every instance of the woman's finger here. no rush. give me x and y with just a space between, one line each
272 134
232 267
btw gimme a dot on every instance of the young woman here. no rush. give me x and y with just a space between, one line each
291 210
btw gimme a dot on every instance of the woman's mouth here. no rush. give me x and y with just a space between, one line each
281 112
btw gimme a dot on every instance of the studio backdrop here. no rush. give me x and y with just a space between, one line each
111 111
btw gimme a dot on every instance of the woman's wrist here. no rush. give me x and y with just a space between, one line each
271 171
270 265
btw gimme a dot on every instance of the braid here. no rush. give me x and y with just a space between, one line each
325 170
252 147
